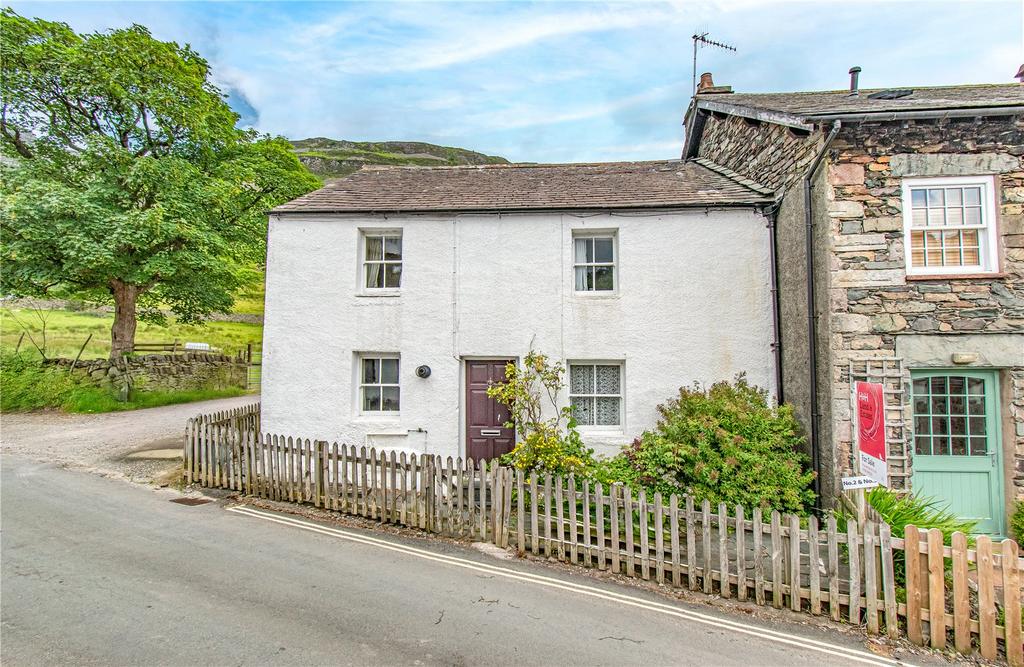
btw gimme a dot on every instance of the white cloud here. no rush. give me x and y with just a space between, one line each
521 115
461 39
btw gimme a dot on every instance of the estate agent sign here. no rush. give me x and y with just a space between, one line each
870 406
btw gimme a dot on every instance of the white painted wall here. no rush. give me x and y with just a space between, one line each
693 303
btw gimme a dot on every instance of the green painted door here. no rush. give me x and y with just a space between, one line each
957 453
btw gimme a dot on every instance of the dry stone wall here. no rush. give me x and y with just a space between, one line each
161 372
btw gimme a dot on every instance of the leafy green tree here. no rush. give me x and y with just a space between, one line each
125 178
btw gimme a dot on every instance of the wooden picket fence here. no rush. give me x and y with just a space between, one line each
781 560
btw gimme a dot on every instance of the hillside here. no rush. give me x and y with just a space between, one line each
334 158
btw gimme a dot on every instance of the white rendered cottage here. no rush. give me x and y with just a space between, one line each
394 296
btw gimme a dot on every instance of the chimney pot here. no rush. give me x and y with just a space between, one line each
705 81
854 76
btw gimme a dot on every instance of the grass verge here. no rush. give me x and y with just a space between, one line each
26 385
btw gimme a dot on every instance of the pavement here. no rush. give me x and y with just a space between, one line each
96 571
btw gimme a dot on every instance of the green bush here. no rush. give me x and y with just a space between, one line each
1017 522
724 444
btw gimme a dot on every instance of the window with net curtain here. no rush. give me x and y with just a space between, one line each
595 393
949 225
382 260
594 263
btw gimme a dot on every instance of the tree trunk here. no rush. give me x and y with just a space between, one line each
122 334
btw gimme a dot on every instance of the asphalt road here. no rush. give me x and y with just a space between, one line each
96 571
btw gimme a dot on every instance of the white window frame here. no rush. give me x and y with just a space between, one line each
612 428
383 233
988 237
360 385
614 264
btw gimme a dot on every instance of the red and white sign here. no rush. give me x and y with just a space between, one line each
870 405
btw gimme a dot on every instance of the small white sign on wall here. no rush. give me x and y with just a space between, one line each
859 482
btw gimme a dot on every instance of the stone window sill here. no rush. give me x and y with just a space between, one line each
957 276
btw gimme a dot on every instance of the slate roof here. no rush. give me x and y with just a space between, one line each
522 187
831 103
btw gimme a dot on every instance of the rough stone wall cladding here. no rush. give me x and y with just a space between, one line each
1017 417
871 300
772 155
162 372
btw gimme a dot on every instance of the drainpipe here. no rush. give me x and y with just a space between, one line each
772 213
812 317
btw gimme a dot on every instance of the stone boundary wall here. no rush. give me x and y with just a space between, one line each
160 372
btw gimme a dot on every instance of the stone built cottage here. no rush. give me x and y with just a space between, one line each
901 222
893 217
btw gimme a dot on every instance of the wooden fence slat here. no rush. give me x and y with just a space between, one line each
627 528
451 481
870 579
613 514
534 530
986 598
813 556
506 503
673 526
466 495
961 595
832 537
599 502
588 551
723 551
892 626
365 482
520 514
705 530
758 557
403 516
356 481
776 560
560 516
691 546
659 539
645 536
481 473
915 579
1011 603
574 526
547 515
794 562
853 555
936 589
741 554
270 463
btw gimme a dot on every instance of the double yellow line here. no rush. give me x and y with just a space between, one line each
848 654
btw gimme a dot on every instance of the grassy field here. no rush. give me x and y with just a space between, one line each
67 330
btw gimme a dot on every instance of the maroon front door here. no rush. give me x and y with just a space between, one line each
486 434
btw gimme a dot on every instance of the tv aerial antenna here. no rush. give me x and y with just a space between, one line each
701 39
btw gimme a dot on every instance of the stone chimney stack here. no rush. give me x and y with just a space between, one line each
707 86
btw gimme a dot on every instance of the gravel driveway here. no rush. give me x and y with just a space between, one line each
100 442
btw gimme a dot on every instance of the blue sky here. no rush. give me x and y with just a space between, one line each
546 81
